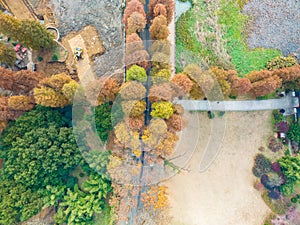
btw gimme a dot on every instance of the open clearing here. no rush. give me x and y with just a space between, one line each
224 194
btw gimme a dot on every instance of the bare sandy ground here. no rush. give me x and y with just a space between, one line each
224 194
19 9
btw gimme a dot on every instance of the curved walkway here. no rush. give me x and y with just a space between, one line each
287 103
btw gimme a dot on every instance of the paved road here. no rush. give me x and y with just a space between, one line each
286 103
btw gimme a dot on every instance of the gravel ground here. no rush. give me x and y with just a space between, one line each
105 15
276 24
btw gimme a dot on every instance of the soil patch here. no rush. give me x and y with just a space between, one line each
224 194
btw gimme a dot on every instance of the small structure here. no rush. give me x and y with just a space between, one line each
78 53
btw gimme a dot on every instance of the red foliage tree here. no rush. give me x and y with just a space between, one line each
133 43
133 6
175 123
169 6
140 58
240 86
6 79
266 86
161 92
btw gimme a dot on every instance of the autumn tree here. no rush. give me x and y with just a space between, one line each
203 81
159 28
135 123
155 197
166 147
51 91
102 90
162 46
140 58
161 92
10 26
161 76
136 23
7 55
69 90
133 43
266 86
30 33
183 81
169 7
49 97
160 9
240 86
290 74
160 61
175 123
6 79
132 90
21 103
162 109
25 81
131 7
281 62
136 73
134 108
255 76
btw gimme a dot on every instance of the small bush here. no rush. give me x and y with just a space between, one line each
40 58
281 62
262 165
275 145
54 57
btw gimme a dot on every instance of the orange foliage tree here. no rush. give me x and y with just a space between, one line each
135 23
266 86
159 28
183 81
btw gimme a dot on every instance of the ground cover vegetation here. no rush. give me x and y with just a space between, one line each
277 168
214 32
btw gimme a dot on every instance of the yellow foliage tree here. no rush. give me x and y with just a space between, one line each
21 103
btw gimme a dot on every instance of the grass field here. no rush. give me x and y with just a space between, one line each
214 33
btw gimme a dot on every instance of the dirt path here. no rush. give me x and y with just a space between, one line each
84 67
19 9
224 194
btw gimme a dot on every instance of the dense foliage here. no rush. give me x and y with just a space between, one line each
29 33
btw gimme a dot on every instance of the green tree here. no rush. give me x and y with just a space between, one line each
17 202
290 167
294 132
79 206
136 73
39 117
162 110
7 55
30 33
42 157
103 120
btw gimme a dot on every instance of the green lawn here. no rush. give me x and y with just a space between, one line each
233 26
